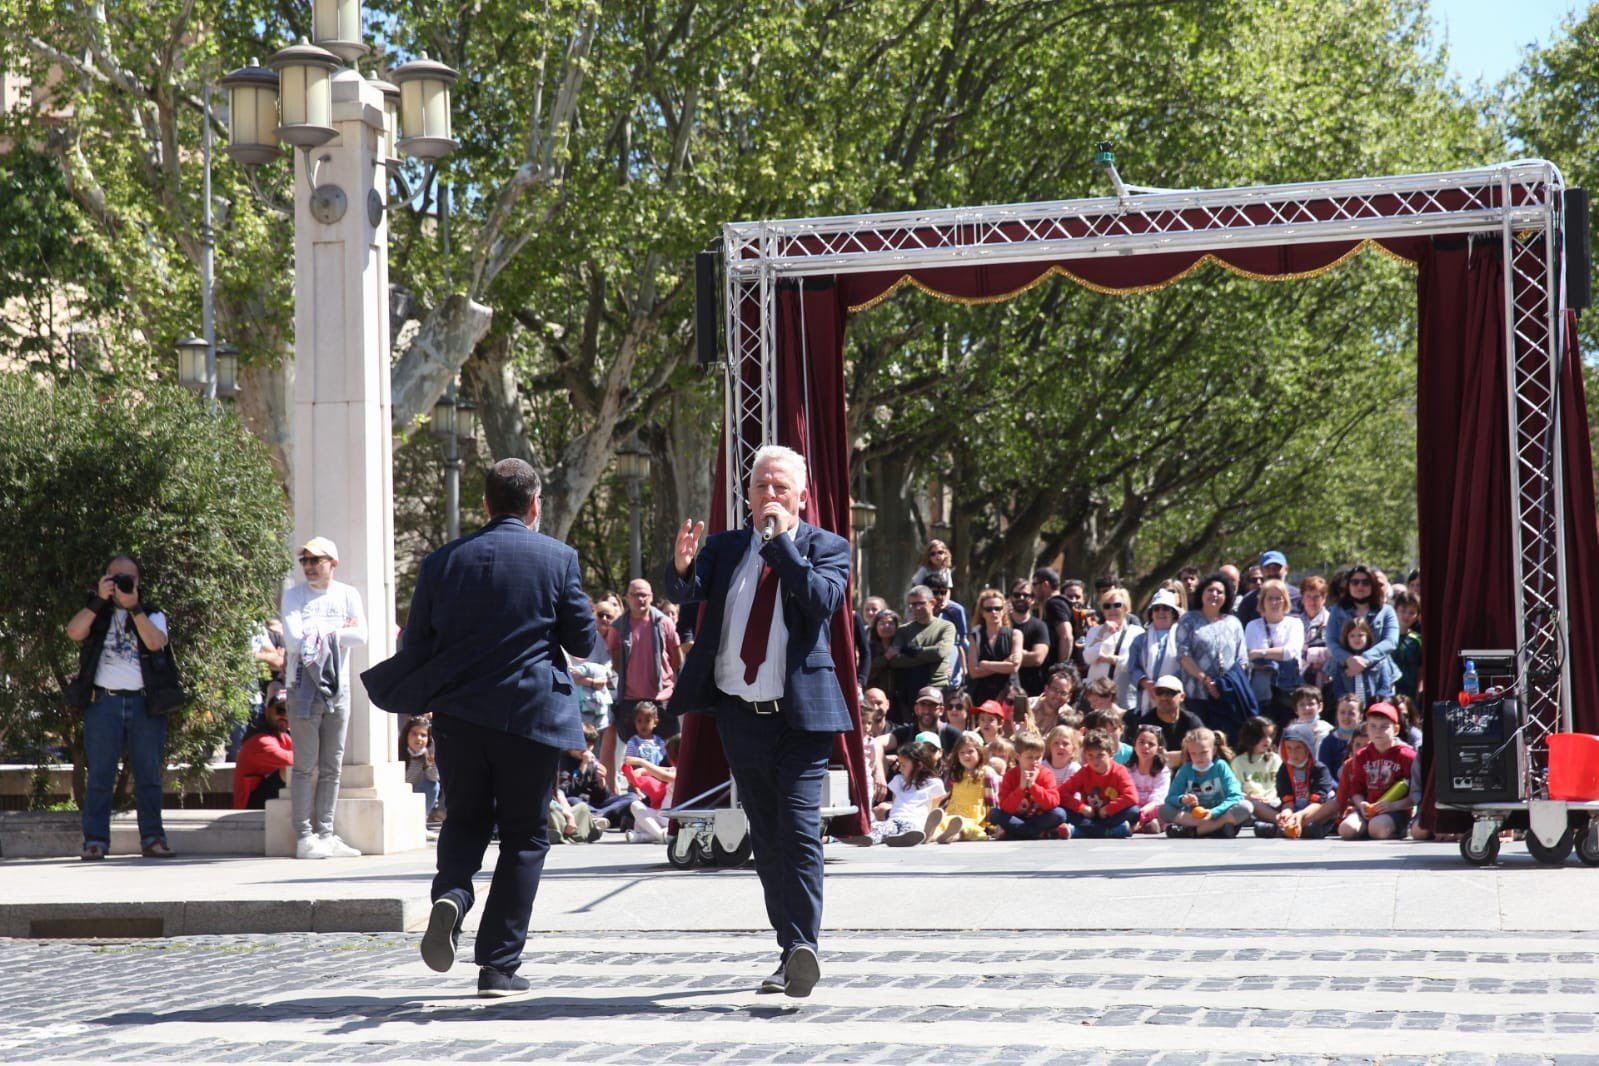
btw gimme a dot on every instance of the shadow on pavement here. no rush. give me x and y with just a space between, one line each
352 1014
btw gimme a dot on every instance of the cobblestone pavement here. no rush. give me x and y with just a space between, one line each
900 997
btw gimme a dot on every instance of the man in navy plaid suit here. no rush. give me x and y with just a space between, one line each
482 650
762 664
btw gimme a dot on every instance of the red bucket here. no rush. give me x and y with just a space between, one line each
1573 766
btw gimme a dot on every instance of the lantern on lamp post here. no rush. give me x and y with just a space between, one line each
227 370
336 26
454 421
192 353
425 108
252 115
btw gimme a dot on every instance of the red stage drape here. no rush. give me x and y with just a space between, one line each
1463 472
1464 503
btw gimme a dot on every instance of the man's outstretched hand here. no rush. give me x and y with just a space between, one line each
687 547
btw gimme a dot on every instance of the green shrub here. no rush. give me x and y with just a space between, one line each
148 472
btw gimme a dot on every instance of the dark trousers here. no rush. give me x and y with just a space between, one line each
495 779
1031 828
1090 828
780 773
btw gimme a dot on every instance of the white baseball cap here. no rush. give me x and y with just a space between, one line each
320 546
1169 683
1165 598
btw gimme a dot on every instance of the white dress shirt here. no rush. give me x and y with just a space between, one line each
768 683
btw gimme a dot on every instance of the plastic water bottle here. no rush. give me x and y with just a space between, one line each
1468 682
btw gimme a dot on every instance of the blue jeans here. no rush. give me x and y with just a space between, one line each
1032 828
109 724
430 789
1092 828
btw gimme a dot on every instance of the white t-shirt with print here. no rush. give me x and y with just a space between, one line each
913 803
119 659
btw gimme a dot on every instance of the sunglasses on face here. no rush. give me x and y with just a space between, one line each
1359 581
1113 606
994 607
311 560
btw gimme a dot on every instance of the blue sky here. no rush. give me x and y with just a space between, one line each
1486 37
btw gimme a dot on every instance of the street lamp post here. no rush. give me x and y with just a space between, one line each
633 466
454 421
341 131
862 517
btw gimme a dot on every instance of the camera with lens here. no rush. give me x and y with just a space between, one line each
124 582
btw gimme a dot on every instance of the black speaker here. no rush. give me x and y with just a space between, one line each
1480 753
707 304
1579 260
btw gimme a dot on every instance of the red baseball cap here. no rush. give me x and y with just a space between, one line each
1385 710
994 707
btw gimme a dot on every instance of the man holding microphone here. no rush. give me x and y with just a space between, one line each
762 665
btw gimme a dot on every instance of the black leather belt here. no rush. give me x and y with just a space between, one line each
762 706
119 691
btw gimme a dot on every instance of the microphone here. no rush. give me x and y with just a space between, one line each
768 528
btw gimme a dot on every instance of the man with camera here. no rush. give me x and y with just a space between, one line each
117 634
322 621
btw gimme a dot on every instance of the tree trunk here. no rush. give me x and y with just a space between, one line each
265 406
893 548
492 379
436 353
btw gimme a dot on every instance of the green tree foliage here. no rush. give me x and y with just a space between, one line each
86 475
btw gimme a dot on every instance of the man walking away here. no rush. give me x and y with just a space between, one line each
482 650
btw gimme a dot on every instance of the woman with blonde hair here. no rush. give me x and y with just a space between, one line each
993 651
936 561
1276 646
1108 645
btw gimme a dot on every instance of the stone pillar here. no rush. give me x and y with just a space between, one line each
343 449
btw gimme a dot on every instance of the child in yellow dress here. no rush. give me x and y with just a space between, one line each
973 789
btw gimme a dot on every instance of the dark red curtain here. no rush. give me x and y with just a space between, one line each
1463 472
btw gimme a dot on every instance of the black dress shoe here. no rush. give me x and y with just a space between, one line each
801 971
442 936
496 984
775 983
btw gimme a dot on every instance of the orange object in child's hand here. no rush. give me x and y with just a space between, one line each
1199 812
1291 830
1367 809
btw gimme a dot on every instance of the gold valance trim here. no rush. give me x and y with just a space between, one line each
1131 290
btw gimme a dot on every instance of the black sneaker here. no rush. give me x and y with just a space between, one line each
497 984
1181 832
442 936
777 982
801 971
1228 831
1265 829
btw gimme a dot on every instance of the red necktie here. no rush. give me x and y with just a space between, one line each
759 628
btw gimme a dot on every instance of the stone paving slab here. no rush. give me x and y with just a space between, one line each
1024 996
615 886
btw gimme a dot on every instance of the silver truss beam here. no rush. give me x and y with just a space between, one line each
1521 200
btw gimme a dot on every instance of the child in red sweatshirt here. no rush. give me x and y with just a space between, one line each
1029 802
1101 799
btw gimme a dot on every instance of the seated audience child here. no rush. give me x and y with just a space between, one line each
973 790
655 782
593 681
915 788
644 747
1060 748
1379 780
421 768
573 823
1101 799
958 710
1151 777
1109 721
583 778
993 720
1346 799
1001 753
1305 790
1256 767
1029 800
1204 797
266 755
1373 682
1335 744
1307 710
1409 721
1407 656
1099 695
